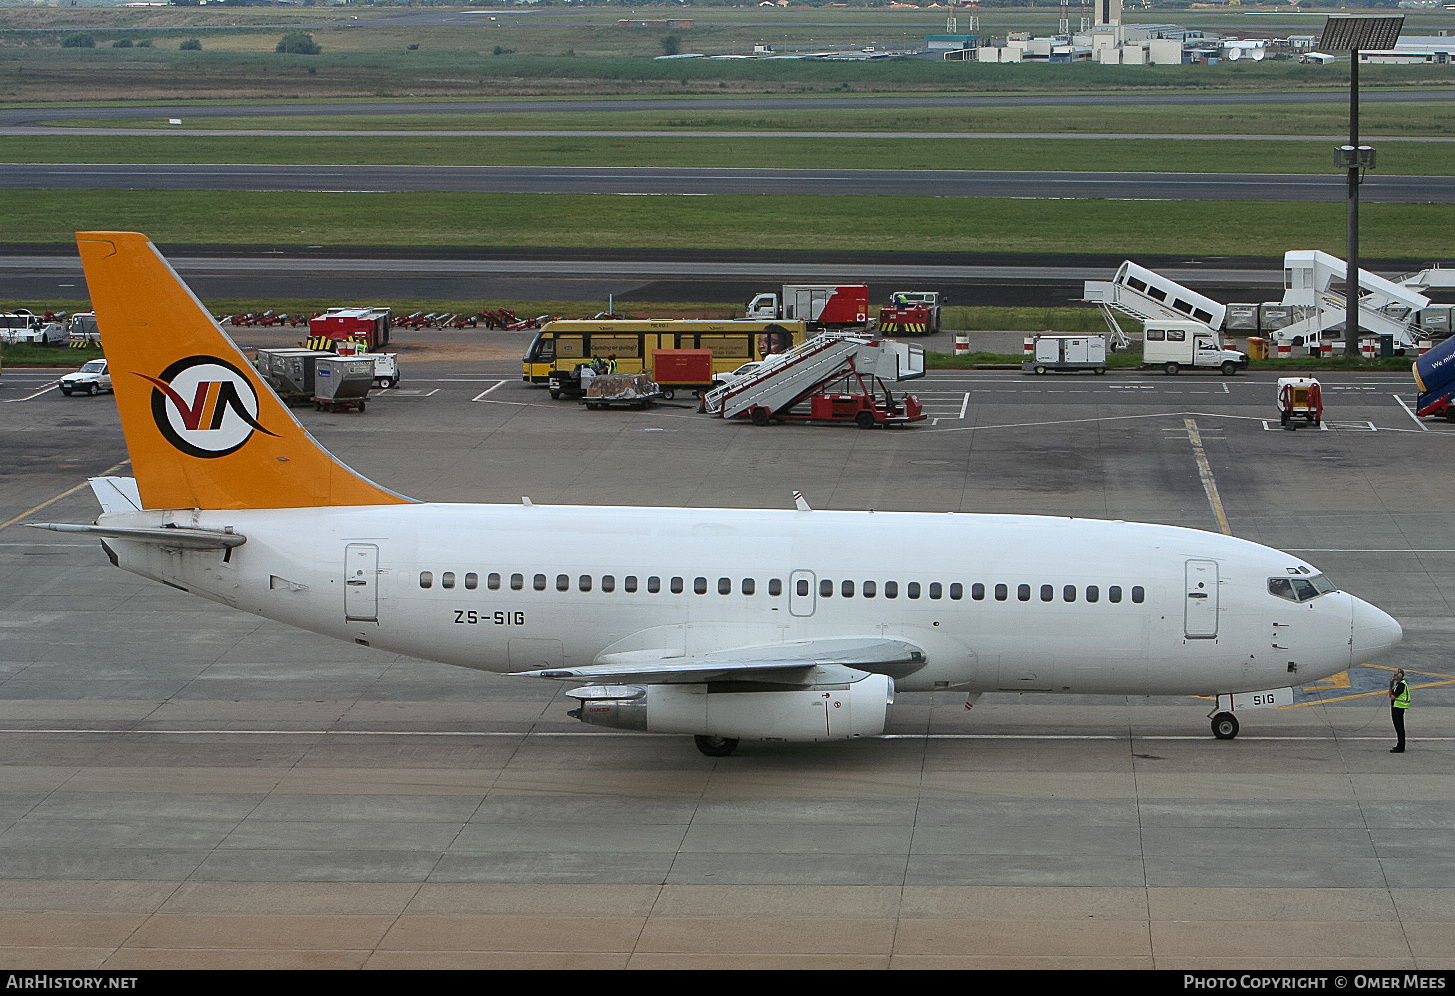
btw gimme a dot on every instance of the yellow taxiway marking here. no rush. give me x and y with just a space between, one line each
1382 693
63 494
1204 471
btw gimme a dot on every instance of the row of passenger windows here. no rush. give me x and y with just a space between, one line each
826 588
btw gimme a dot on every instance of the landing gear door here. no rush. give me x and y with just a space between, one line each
1200 616
361 582
800 593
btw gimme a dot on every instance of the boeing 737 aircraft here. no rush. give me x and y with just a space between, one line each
719 623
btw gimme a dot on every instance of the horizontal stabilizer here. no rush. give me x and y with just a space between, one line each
177 537
117 494
768 662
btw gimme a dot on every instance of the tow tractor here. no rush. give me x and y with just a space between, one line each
1300 398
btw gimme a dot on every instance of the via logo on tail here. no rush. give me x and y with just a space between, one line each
221 415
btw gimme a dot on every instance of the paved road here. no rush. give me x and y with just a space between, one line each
699 181
186 786
14 117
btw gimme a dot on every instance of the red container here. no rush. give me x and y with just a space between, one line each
682 366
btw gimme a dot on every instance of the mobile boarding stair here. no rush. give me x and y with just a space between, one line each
786 379
1385 307
1149 297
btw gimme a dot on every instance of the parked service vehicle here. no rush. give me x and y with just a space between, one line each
1066 352
49 334
1175 345
911 313
17 322
1300 398
728 376
92 378
825 307
82 330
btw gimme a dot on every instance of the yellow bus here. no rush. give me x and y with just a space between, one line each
560 347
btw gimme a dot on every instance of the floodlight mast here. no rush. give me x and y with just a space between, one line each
1355 33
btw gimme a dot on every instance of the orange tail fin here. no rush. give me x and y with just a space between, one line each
203 429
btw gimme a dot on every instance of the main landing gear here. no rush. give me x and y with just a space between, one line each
1225 726
716 746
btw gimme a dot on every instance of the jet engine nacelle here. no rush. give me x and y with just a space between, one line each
824 712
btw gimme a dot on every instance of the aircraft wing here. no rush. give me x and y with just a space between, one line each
782 663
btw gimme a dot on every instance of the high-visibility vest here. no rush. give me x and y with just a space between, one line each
1402 695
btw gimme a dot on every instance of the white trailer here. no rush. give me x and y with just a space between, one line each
1066 352
1174 346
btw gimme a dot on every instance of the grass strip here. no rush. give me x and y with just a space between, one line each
1093 155
893 223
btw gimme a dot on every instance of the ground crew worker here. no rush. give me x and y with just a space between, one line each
1399 701
611 363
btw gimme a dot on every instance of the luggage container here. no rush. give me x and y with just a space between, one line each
342 382
290 372
1241 318
1066 352
1272 317
686 369
1434 321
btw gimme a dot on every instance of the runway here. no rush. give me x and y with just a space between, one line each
187 786
708 181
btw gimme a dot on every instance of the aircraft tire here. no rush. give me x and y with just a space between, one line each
716 746
1225 726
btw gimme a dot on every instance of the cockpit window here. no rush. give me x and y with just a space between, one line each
1300 589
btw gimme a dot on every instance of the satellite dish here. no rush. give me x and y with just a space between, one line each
1234 54
1259 53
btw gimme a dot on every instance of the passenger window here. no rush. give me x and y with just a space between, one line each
802 587
825 589
935 589
724 586
608 583
472 581
540 582
1048 592
585 582
847 589
775 587
749 586
1092 593
1001 593
956 592
447 579
563 582
1176 335
629 583
493 582
977 591
676 586
699 585
912 589
517 582
426 579
870 589
1023 592
1156 335
1114 593
1068 593
1138 593
891 589
654 585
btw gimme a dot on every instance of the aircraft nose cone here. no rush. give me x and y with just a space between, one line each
1374 631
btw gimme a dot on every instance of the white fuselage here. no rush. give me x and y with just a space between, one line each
1087 606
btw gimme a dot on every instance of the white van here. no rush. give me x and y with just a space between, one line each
1174 345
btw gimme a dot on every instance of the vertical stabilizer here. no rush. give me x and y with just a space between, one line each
203 429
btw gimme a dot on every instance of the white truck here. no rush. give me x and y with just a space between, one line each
1174 346
825 307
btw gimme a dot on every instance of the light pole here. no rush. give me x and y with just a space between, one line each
1356 32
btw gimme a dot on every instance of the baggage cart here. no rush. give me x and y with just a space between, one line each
342 382
628 390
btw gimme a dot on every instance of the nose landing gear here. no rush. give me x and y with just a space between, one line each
1224 725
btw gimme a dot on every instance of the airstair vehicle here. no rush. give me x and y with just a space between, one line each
784 380
1386 307
1149 297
